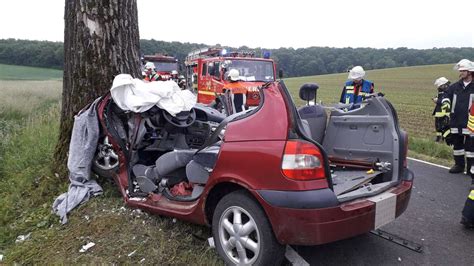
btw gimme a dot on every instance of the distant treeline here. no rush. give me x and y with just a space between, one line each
294 62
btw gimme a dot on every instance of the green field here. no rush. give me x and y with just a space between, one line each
11 72
29 121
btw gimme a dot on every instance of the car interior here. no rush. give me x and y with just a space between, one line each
364 144
172 155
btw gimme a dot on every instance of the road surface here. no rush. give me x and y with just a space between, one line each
431 219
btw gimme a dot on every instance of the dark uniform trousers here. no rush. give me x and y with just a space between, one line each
463 146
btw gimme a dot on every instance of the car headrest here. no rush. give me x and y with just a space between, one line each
308 91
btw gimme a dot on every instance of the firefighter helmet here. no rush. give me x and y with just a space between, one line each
463 65
440 82
150 65
234 74
356 73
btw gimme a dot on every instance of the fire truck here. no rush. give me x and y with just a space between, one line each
207 73
164 64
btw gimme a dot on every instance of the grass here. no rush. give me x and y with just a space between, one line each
12 72
409 89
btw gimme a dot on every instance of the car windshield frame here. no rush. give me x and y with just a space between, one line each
251 70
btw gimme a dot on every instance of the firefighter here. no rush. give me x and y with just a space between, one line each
467 218
458 98
440 112
150 73
236 90
174 76
356 87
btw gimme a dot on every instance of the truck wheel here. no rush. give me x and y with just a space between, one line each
105 163
242 232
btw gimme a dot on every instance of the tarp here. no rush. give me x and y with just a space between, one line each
139 96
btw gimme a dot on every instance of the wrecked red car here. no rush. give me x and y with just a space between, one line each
265 177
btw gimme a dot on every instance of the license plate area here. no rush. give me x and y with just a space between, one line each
385 208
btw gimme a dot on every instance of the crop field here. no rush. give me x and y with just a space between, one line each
11 72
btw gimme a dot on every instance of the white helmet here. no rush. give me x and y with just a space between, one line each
149 65
356 73
471 67
174 72
234 74
440 82
462 65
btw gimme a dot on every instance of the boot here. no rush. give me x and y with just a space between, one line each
456 169
468 224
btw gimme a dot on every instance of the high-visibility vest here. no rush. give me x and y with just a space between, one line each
349 91
152 77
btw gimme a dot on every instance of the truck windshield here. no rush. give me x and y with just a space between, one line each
251 70
165 66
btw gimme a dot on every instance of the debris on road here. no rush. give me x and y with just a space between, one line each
86 247
399 259
22 238
132 253
210 240
142 260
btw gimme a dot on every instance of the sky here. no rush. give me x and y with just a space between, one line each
271 24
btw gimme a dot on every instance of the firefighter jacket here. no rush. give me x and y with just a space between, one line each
354 93
459 99
152 77
441 114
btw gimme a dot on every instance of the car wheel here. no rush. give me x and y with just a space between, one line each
105 161
242 232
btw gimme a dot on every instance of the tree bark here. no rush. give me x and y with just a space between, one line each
101 40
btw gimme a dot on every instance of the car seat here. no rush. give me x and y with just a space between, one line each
314 117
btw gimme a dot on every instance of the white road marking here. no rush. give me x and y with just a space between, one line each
294 258
425 162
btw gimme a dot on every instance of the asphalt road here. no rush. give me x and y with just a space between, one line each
431 219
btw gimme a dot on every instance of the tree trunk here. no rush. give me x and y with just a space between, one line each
101 40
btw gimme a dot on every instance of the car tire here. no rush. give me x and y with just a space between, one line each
105 162
254 233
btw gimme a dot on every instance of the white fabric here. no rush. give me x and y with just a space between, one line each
441 81
356 73
138 96
466 83
464 64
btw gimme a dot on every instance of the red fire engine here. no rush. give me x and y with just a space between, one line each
207 72
164 64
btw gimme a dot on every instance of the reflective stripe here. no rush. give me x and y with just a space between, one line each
446 133
445 100
469 154
349 92
440 114
454 130
453 106
471 195
472 169
207 93
458 152
471 96
438 134
465 131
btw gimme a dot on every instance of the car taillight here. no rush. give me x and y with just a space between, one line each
302 160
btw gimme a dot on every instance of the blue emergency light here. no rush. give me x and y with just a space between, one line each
266 54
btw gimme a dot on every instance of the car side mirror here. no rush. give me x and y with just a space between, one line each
308 92
280 73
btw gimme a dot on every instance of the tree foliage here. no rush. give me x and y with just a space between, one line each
294 62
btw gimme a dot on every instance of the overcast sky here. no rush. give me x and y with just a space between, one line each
271 24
